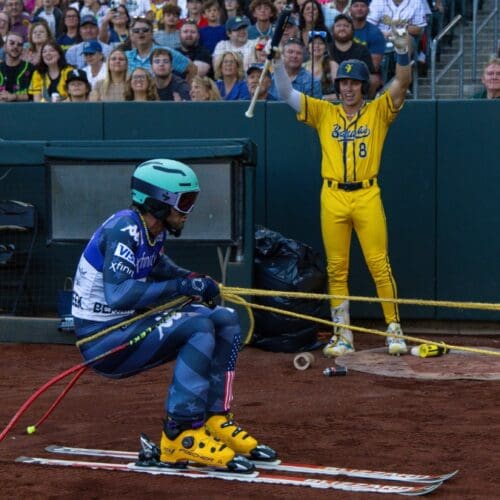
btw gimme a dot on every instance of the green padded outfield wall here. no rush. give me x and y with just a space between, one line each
439 177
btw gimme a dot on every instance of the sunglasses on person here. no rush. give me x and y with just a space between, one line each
141 30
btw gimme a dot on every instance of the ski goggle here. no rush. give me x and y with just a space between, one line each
182 202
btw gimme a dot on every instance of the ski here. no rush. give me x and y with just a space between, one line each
256 477
278 466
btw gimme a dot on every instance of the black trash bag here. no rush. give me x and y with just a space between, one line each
284 264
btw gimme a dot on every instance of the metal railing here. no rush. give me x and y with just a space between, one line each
477 29
458 56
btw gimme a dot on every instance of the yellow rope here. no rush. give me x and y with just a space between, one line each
305 295
231 294
240 300
176 302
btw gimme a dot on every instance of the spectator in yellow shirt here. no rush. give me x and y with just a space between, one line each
49 79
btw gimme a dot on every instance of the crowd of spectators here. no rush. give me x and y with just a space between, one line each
181 50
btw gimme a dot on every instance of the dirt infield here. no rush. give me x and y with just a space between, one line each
360 420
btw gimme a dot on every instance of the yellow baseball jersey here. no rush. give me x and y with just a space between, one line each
351 149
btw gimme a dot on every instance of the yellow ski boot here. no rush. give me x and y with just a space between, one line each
179 446
225 429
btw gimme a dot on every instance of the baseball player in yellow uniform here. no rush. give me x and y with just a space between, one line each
352 134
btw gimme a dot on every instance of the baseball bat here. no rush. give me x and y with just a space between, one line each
249 111
275 42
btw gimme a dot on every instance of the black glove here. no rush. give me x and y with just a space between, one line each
204 289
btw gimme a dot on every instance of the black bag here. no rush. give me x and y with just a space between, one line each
284 264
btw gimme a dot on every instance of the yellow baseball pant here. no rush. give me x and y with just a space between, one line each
341 211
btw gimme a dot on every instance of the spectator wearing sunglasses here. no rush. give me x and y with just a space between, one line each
141 37
88 31
15 74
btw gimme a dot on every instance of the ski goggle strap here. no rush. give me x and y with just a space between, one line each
182 202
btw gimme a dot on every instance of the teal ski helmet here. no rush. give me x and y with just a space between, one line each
160 184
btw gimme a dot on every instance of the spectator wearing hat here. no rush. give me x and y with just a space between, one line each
94 8
254 72
77 86
264 13
229 73
302 80
214 31
141 36
167 34
95 68
112 87
190 47
237 32
194 12
48 82
344 47
89 30
170 87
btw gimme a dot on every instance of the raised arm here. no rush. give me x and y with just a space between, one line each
402 80
284 86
